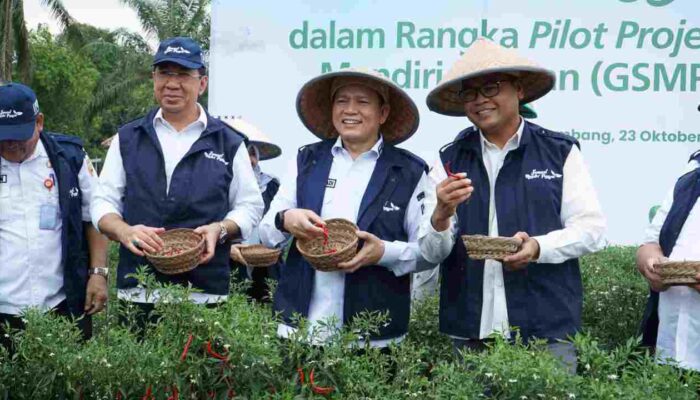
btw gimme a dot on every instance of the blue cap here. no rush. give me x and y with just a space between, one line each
18 111
183 51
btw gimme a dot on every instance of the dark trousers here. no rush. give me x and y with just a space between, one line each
15 322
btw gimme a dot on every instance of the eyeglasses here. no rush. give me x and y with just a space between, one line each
489 90
179 76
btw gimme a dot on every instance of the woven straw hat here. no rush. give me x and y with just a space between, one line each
256 137
485 57
314 103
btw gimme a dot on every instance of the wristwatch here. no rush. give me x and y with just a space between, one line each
279 221
99 271
223 233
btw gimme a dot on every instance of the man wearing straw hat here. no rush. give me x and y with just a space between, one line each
51 257
511 178
260 148
358 174
177 167
425 283
674 234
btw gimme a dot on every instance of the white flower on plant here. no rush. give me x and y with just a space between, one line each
489 375
51 354
572 396
512 380
612 377
523 397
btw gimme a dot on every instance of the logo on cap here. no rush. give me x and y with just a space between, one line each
176 50
35 106
10 114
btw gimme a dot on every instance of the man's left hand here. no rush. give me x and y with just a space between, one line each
96 294
370 253
211 238
528 252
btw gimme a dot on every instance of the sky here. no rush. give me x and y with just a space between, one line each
108 14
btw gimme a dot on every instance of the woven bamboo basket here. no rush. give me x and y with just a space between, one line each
678 272
259 256
480 247
181 253
342 238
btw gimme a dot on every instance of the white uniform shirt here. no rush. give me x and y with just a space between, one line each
31 274
679 320
343 201
245 200
581 216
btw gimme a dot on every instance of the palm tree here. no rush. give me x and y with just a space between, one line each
161 19
14 37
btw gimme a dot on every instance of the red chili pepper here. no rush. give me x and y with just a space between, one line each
318 389
119 395
187 347
148 395
231 393
325 239
450 173
301 375
213 353
175 395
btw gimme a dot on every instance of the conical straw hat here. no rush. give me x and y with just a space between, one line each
314 104
267 149
485 57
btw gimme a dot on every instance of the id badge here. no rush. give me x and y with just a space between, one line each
48 217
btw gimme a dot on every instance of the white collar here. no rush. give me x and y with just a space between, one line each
513 142
202 119
376 150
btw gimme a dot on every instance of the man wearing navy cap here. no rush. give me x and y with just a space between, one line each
177 167
47 241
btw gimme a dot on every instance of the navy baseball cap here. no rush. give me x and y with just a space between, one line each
18 111
183 51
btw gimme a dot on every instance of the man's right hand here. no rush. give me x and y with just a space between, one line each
451 192
140 238
301 223
646 268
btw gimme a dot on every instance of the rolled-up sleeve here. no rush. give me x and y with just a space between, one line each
87 180
285 199
245 201
435 246
405 257
581 215
109 191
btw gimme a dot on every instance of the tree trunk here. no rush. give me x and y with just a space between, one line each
6 41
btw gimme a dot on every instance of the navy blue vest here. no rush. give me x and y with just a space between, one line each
543 300
66 155
371 288
685 195
198 195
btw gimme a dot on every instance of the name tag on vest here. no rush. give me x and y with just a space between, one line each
331 183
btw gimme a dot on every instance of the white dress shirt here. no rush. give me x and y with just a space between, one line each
343 201
679 321
31 274
581 216
245 201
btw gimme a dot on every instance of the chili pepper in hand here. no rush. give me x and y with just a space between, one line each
450 173
325 240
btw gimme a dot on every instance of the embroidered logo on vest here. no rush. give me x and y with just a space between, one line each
390 206
73 192
546 174
218 157
331 183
